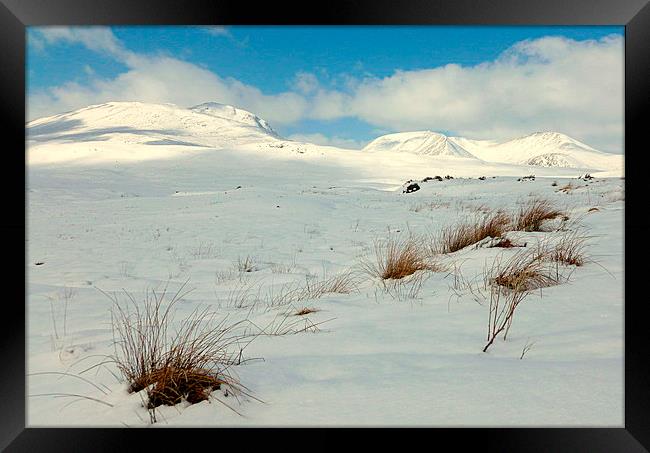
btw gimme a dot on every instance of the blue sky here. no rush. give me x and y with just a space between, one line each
346 85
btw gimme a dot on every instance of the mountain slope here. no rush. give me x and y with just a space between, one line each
211 124
228 112
420 142
541 149
100 132
546 149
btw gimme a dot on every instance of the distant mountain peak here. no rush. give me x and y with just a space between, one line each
549 141
233 113
418 142
541 148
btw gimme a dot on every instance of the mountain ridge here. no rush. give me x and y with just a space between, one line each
546 149
215 125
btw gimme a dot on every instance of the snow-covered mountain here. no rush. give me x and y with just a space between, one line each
420 142
228 112
219 126
210 124
544 149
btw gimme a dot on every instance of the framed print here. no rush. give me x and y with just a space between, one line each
371 215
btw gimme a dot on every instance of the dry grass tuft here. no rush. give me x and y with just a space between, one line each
503 304
525 271
249 294
567 188
247 264
172 385
512 281
570 250
306 311
459 236
398 258
408 288
290 322
343 283
533 214
187 364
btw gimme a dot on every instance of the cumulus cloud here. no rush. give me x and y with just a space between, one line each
550 83
305 82
155 78
99 39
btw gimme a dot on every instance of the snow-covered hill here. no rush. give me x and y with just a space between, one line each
546 149
210 124
420 142
542 149
100 133
230 113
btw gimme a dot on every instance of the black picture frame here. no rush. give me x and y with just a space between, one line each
15 15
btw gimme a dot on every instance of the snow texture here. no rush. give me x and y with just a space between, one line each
130 196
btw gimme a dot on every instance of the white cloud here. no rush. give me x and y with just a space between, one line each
551 83
97 38
306 82
321 139
575 87
158 78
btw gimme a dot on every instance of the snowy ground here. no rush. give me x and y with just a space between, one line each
312 212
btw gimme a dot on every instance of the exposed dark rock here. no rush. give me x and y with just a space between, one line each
412 187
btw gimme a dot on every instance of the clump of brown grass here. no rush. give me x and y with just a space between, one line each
567 188
407 288
398 258
343 283
510 282
459 236
187 364
525 271
172 385
570 249
533 214
306 311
